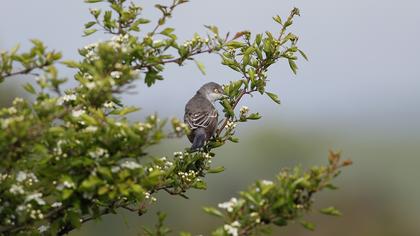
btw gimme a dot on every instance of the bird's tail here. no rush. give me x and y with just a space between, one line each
199 139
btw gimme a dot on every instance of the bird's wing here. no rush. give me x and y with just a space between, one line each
200 119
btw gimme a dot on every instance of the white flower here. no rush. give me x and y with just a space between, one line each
87 76
92 45
130 165
37 197
91 129
43 228
231 125
90 85
229 205
66 98
231 230
12 110
21 176
256 216
17 101
244 110
99 152
266 182
69 97
116 74
77 113
236 224
65 184
21 208
16 189
57 204
109 104
115 169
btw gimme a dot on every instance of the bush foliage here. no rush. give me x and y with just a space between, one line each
71 156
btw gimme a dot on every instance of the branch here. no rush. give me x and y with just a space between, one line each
26 71
177 60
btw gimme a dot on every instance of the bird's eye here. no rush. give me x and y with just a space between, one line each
215 90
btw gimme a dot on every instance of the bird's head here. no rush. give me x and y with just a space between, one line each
212 91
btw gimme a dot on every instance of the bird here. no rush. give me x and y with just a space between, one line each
201 116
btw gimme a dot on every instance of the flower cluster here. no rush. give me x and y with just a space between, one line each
130 165
120 42
148 196
231 125
244 110
66 99
91 52
195 41
188 177
232 229
230 205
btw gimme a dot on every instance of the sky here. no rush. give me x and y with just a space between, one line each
362 73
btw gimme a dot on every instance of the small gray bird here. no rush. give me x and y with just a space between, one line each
200 114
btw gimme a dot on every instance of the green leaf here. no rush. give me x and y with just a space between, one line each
219 232
234 44
184 234
200 67
89 32
213 211
90 182
37 43
216 170
105 172
215 144
251 74
74 218
293 66
331 186
280 222
228 108
303 54
90 24
89 120
273 97
71 63
254 116
258 39
249 50
167 31
308 225
66 193
233 139
93 1
29 88
200 185
212 28
124 111
277 19
234 87
332 211
14 49
141 21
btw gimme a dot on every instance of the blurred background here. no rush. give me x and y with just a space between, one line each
359 93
